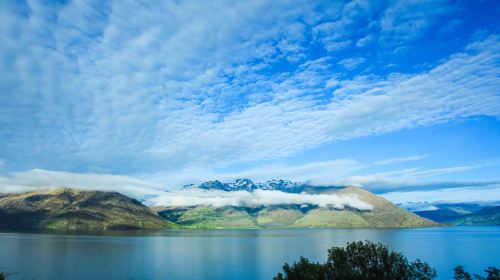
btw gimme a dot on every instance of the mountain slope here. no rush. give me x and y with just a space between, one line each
485 217
69 209
440 215
451 212
383 214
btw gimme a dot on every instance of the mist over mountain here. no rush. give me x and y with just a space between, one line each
245 192
238 204
280 203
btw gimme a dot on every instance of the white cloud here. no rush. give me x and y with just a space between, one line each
405 20
351 63
153 195
154 192
408 178
317 170
190 197
124 88
364 41
38 179
463 86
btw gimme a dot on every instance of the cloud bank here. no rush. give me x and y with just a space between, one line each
396 189
38 179
152 194
192 197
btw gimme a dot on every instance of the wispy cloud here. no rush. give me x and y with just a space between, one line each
411 178
127 88
400 159
351 63
490 193
406 20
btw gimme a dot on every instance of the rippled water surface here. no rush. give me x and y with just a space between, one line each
229 254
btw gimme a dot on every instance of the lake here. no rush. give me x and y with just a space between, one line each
230 254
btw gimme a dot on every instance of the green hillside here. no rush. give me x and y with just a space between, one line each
384 214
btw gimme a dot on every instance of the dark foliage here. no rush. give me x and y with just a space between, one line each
492 273
303 270
5 275
359 261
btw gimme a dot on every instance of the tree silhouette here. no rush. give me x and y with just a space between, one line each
461 274
492 273
359 261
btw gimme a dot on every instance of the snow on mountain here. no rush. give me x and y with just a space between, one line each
249 185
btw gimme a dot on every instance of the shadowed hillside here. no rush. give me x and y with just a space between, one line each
487 217
69 209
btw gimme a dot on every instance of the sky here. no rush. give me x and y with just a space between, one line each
400 97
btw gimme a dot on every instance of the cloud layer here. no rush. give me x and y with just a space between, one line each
153 193
192 197
127 88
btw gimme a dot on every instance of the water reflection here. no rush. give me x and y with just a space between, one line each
228 254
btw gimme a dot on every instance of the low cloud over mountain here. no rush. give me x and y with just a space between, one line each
217 198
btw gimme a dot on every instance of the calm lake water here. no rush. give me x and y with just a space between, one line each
230 254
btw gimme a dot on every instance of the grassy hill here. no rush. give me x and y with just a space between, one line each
384 214
69 209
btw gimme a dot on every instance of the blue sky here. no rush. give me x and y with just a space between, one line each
390 95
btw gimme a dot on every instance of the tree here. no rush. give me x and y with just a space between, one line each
359 261
492 273
303 270
461 274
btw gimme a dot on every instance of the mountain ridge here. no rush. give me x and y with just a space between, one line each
489 216
245 184
383 215
470 213
73 209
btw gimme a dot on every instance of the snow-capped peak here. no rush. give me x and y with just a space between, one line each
248 185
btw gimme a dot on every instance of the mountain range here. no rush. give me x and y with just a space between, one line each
487 216
459 213
383 214
249 185
71 209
